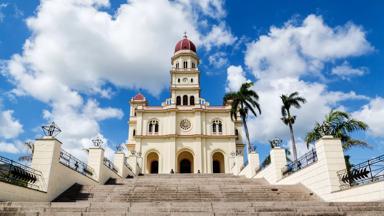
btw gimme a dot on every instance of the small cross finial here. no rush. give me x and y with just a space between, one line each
185 34
97 141
51 129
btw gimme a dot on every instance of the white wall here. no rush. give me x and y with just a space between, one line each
321 176
9 192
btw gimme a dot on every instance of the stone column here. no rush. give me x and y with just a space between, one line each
239 162
132 161
95 160
331 156
46 157
253 163
278 162
119 161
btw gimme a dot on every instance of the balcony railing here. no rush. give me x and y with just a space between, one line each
110 165
302 162
18 174
363 173
75 164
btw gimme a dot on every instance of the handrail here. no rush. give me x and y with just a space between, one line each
127 165
109 165
302 162
18 174
363 173
75 164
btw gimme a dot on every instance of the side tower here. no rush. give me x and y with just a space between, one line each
137 102
185 76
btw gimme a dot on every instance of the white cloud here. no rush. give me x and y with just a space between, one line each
9 148
235 78
211 8
218 59
298 50
373 114
219 35
9 126
282 57
76 48
319 102
345 71
80 124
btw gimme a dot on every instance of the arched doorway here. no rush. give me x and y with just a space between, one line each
152 163
185 166
218 163
185 162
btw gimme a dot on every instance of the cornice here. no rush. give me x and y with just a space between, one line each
185 136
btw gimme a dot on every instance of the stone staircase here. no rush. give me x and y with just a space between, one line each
189 194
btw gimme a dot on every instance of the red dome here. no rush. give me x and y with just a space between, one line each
185 44
138 97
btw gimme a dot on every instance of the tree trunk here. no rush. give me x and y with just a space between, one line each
249 148
294 152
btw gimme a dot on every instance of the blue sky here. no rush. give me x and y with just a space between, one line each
79 63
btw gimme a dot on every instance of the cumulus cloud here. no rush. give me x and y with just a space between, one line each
9 148
345 71
280 59
373 114
296 50
76 49
220 35
9 126
212 8
218 59
319 102
235 77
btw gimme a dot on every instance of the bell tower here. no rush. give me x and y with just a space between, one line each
185 76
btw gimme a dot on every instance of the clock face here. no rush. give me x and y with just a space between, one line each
185 80
185 124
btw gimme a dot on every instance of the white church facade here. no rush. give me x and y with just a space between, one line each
185 134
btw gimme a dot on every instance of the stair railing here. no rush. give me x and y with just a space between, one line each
369 171
302 162
110 165
18 174
75 164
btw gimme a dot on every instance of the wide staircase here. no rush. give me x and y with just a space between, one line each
189 194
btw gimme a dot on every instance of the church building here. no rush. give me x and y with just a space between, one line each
185 134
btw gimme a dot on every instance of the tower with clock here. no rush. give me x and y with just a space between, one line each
185 134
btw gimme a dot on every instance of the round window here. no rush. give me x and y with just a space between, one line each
185 80
185 124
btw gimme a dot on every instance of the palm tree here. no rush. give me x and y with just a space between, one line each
339 124
288 101
242 102
31 147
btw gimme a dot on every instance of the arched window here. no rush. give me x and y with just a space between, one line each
217 127
191 80
192 100
134 132
185 100
153 126
193 65
220 128
177 65
178 80
178 100
237 134
185 64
